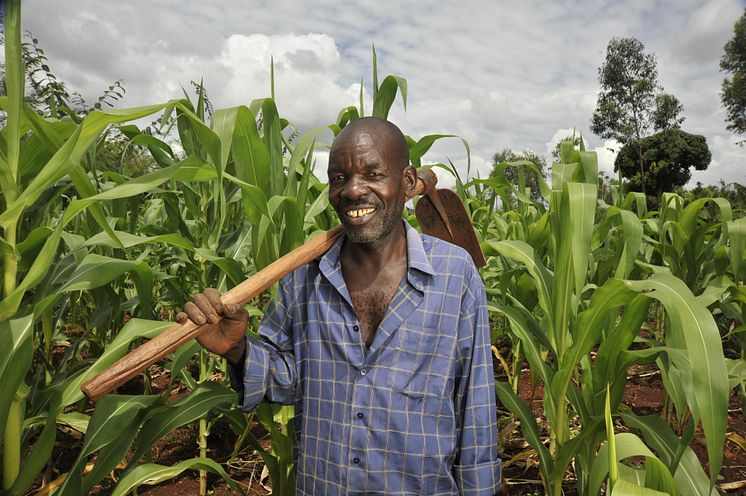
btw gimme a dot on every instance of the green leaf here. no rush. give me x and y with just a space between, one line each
38 270
273 141
230 267
632 229
254 199
95 271
659 478
611 364
151 473
562 173
223 125
386 94
580 201
181 356
421 147
129 240
15 338
85 188
162 420
737 233
690 477
110 432
75 420
250 154
694 325
627 445
184 170
134 329
523 253
525 328
15 76
303 150
528 425
70 155
610 443
624 488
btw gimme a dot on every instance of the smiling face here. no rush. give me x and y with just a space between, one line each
369 178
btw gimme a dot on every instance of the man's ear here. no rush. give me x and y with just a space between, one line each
410 180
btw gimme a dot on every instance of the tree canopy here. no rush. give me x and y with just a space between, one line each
631 102
668 157
733 62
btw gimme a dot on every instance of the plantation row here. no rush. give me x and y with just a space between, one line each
96 259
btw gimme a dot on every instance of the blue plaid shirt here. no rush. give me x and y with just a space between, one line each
415 413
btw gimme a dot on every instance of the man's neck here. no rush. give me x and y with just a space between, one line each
372 257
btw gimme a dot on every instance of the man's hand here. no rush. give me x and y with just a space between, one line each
226 325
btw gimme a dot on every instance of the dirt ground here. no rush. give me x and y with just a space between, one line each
643 394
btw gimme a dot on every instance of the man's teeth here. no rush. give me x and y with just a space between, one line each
360 212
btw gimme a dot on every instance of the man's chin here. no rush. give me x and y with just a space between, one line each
362 236
370 234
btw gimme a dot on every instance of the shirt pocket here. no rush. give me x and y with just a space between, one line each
423 362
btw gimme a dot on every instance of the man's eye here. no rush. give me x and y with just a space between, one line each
336 178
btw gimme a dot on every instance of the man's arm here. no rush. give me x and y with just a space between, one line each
258 368
268 369
477 468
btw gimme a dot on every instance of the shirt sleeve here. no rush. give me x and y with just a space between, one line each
269 369
477 468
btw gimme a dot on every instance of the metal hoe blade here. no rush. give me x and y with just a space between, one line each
441 214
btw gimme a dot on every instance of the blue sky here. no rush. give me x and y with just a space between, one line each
517 74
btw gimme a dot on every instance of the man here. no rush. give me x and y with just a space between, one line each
382 344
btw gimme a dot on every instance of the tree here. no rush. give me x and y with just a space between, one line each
512 173
667 112
668 158
733 95
630 99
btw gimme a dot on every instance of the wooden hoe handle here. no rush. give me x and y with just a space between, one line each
150 352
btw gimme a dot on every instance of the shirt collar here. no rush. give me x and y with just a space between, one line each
416 259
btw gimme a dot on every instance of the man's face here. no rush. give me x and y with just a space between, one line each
366 186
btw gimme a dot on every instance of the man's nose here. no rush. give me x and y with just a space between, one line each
354 188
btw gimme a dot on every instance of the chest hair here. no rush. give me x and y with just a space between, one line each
371 305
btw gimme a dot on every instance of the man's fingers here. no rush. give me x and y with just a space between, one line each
234 312
194 313
206 307
181 317
213 296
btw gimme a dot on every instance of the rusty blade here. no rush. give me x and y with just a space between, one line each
441 204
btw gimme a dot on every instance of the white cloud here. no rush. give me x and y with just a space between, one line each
706 31
518 74
728 162
607 155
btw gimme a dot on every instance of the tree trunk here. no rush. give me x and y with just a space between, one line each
642 167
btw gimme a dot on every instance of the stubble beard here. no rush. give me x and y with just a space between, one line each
380 231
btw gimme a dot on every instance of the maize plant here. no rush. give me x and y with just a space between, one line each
582 306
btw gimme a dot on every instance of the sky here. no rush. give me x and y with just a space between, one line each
507 74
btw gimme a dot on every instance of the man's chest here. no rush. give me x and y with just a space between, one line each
370 305
336 324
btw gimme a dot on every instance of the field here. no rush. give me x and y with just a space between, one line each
618 326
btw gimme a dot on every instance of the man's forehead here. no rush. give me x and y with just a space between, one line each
364 137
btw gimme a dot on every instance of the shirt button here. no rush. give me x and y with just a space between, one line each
356 460
359 415
364 371
355 328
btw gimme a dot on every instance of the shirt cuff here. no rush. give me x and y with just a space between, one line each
482 479
250 381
